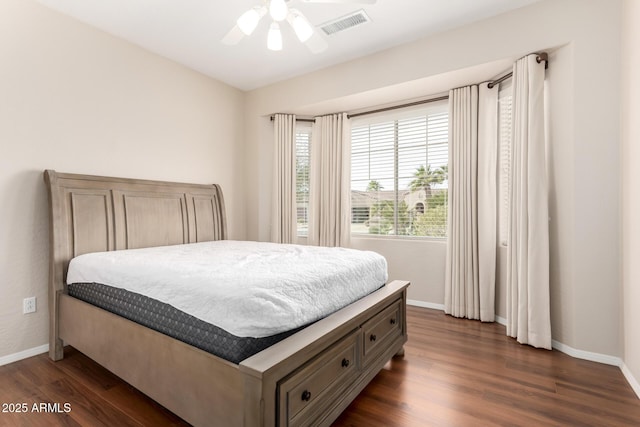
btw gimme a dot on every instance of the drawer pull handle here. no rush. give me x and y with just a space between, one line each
345 363
393 321
372 337
306 395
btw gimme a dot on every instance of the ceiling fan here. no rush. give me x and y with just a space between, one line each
279 11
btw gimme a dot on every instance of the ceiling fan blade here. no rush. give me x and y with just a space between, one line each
233 37
316 44
341 1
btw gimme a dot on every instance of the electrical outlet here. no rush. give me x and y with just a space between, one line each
29 305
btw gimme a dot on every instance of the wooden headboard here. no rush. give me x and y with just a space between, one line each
94 214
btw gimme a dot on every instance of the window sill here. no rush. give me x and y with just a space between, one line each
399 238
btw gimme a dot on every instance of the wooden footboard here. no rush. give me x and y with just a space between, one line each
312 376
306 379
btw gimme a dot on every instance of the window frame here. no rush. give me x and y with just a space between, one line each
396 116
303 127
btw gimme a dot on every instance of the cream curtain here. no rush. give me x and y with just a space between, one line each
528 305
283 212
471 243
330 181
487 199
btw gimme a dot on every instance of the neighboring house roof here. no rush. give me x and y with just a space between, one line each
366 199
361 199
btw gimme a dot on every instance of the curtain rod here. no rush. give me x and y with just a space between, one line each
395 107
543 56
299 120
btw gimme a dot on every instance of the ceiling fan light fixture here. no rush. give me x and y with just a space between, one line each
301 26
248 21
274 37
305 32
278 10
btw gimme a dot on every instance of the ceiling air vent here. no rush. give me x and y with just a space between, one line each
345 22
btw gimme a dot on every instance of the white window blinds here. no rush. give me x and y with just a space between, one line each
504 165
303 148
399 173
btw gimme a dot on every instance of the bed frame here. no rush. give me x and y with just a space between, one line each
306 379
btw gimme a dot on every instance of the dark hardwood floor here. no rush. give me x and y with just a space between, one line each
454 373
465 373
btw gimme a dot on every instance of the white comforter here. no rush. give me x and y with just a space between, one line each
249 289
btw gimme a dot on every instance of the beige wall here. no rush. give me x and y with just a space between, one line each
630 181
584 100
75 99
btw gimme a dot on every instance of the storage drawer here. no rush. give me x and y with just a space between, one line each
382 329
309 390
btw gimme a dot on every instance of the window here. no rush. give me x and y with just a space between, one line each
399 173
303 147
504 161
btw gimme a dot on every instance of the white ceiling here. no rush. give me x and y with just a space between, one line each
189 31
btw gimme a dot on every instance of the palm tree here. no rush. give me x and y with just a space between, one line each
424 177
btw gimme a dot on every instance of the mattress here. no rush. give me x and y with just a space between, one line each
247 289
173 322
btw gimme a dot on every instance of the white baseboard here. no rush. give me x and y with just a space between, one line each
587 355
578 354
630 379
10 358
425 304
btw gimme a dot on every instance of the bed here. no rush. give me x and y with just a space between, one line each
307 378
